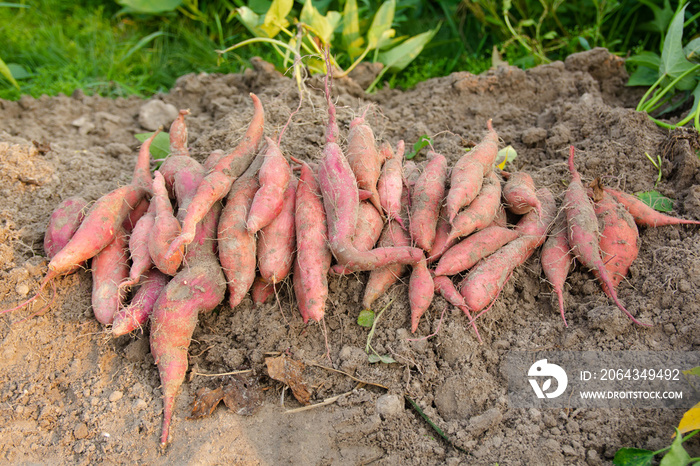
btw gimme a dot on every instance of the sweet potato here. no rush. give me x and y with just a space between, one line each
643 214
217 183
165 229
487 150
465 183
390 184
273 177
136 314
63 223
619 238
313 257
364 158
519 193
481 212
138 247
465 254
261 291
381 279
485 281
109 267
236 243
426 198
442 235
276 242
583 233
447 290
556 260
421 291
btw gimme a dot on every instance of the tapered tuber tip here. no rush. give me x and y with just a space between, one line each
489 124
572 168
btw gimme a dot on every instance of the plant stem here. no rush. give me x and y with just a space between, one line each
670 86
648 92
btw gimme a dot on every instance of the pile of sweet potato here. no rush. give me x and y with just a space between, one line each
174 235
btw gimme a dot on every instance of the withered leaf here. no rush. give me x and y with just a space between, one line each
289 371
596 189
243 395
205 401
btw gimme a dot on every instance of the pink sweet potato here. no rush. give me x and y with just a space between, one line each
136 314
217 183
276 242
519 193
465 254
428 194
619 238
165 229
556 260
364 158
643 214
313 257
109 267
487 150
442 234
273 177
465 183
390 184
138 247
63 223
236 243
480 212
261 291
421 291
583 233
381 279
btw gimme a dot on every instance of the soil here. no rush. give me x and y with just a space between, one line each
72 394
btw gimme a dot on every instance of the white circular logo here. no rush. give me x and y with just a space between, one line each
546 372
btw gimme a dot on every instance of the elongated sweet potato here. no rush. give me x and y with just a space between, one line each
465 254
465 183
619 239
109 267
447 290
261 291
487 150
645 215
556 260
138 247
428 194
277 241
421 291
273 177
364 158
519 193
313 257
481 212
583 233
390 183
165 229
63 223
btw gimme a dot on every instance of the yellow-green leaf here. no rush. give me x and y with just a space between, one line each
251 21
505 155
276 17
690 420
382 22
400 56
323 26
676 456
352 40
7 74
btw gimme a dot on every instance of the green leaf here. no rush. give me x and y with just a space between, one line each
322 25
662 16
507 154
276 17
251 21
643 76
366 318
424 140
584 43
400 56
150 6
633 457
676 456
694 371
7 74
648 59
527 23
692 50
160 147
655 200
381 23
372 358
673 61
352 40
